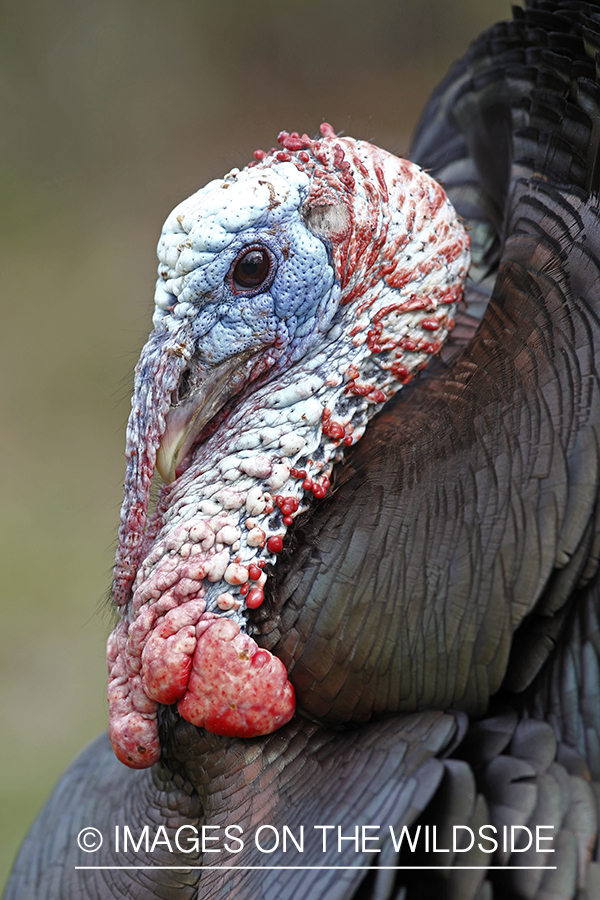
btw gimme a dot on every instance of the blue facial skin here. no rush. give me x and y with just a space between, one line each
295 309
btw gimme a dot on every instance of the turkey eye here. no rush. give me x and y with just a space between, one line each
251 269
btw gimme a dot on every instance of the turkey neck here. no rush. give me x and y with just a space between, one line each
464 512
253 779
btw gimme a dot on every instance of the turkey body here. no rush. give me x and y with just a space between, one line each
437 610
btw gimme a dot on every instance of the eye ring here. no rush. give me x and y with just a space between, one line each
252 270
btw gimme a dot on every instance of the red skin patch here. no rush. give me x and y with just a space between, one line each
255 598
132 727
167 655
235 689
223 681
275 544
134 740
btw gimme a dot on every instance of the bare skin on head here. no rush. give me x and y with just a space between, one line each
294 298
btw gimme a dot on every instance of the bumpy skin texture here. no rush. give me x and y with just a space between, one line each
453 563
366 260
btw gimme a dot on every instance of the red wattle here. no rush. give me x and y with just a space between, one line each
235 688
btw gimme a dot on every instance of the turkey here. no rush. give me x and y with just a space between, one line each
357 651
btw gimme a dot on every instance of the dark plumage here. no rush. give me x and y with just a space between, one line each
450 577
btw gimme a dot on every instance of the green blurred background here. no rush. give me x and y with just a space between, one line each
112 111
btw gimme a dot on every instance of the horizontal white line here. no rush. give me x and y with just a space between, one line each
319 868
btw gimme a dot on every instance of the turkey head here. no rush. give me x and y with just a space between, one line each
294 298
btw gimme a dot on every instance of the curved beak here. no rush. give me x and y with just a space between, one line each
206 390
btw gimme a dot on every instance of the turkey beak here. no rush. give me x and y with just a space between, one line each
201 393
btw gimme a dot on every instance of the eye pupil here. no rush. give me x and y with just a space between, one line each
252 269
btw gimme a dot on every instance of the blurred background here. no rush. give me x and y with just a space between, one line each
112 111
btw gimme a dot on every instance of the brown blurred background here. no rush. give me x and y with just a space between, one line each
112 111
